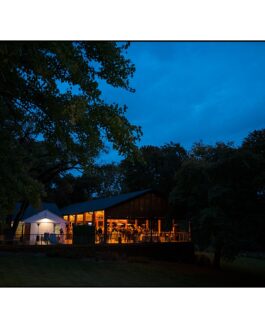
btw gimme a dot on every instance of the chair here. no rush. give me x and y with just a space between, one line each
53 239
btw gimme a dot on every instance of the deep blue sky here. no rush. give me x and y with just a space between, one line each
192 91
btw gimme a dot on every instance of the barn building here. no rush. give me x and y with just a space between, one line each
133 217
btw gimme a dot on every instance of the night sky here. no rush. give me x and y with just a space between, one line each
192 91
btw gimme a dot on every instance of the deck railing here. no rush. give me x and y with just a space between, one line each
110 238
37 239
154 237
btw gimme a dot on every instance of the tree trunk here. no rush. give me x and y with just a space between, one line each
12 231
217 258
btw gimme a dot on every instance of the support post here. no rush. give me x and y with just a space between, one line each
94 220
159 227
189 230
38 236
105 230
151 229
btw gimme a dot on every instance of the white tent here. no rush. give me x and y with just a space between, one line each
45 222
45 215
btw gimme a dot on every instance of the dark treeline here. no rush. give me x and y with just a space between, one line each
220 188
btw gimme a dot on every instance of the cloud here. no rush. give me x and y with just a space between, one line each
188 91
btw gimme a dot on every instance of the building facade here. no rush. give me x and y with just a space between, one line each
134 217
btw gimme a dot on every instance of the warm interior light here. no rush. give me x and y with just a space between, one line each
45 220
79 218
72 218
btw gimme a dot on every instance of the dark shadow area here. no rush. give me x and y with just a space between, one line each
117 266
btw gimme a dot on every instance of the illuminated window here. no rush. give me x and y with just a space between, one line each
72 218
88 216
99 214
80 218
65 217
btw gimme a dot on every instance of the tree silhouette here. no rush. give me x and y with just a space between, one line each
53 116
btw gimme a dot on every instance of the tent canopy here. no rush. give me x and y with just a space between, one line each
41 216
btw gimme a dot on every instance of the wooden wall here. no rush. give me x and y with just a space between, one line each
145 206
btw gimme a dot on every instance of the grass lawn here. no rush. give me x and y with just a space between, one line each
29 269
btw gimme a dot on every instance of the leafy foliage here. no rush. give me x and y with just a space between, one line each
220 189
53 117
99 181
155 168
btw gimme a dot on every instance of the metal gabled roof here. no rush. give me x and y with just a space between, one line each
101 203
